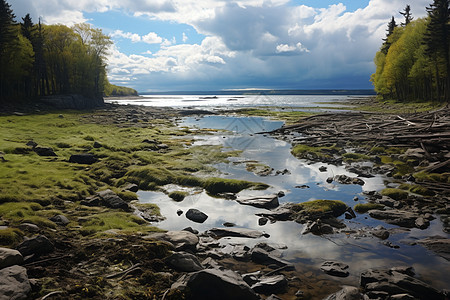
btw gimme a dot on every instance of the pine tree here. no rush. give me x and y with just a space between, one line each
407 15
8 36
437 40
391 27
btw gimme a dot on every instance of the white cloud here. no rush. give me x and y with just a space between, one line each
152 38
291 48
134 37
185 38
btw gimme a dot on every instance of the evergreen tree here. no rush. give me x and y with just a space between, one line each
437 40
407 15
7 37
391 27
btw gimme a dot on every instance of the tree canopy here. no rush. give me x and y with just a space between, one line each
38 60
413 62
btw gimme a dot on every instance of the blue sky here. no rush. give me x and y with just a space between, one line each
192 45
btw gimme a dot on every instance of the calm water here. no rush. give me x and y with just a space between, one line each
359 253
238 101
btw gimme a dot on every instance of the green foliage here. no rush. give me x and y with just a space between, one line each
413 62
365 207
114 90
10 237
305 151
396 194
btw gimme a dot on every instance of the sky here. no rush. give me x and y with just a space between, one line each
208 45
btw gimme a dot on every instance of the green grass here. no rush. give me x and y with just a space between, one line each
397 107
365 207
216 186
305 151
351 157
10 236
320 207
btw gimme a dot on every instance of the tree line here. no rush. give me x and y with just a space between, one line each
414 60
38 60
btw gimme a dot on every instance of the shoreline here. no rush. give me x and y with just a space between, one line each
120 245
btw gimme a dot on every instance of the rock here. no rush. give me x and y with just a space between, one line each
196 215
44 151
31 144
317 228
281 194
347 293
191 230
437 244
60 220
251 278
132 187
184 262
270 284
263 257
215 284
262 221
10 257
241 252
179 212
210 263
355 198
273 297
85 159
29 227
422 223
329 180
387 201
97 145
236 232
381 234
396 217
282 213
304 186
182 240
402 297
228 224
335 268
91 201
38 245
323 169
344 179
14 283
267 202
394 283
112 200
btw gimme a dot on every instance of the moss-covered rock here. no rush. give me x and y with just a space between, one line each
365 207
178 195
217 185
396 194
312 210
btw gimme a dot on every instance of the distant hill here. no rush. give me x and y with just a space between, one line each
267 92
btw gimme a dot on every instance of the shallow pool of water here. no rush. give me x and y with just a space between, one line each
359 252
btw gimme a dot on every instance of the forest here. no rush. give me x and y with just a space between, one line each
414 60
38 60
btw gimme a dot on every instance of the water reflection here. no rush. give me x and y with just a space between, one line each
360 253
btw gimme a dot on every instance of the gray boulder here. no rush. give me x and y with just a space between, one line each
267 202
184 262
9 257
181 240
215 284
335 268
14 283
395 217
44 151
60 220
439 245
347 293
270 284
38 245
261 256
112 200
196 215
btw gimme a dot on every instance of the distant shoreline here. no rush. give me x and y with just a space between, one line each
349 92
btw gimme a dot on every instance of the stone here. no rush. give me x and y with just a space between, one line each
261 256
10 257
262 221
395 217
91 201
273 297
251 278
267 202
381 234
14 283
179 212
401 297
344 179
112 200
44 151
97 145
281 194
270 284
323 169
438 244
191 230
215 284
335 268
304 186
85 159
184 262
182 240
282 213
317 228
132 187
38 245
346 293
236 232
196 216
228 224
31 144
422 223
60 220
29 227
